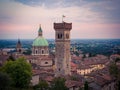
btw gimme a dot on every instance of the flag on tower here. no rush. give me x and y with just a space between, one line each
63 16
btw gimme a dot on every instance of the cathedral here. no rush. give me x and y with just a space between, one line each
42 59
40 44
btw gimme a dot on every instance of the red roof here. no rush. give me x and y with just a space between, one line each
71 83
73 64
49 78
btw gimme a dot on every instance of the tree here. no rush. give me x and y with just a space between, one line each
114 72
90 54
20 72
113 69
43 85
11 58
76 53
75 78
118 79
84 56
27 52
86 85
4 81
117 59
58 84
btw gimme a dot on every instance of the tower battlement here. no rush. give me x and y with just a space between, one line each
64 25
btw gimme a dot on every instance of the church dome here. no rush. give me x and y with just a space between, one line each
40 41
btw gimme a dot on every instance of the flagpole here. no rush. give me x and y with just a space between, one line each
63 17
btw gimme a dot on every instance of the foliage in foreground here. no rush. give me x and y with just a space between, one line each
43 85
19 71
113 69
86 85
4 81
115 72
58 84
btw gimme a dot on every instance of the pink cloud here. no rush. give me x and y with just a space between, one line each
92 30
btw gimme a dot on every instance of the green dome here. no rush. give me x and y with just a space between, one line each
40 41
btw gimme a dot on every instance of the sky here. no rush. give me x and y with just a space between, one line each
91 19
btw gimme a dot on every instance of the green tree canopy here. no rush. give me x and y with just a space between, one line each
117 59
86 85
43 85
75 78
20 72
58 84
4 81
115 72
113 69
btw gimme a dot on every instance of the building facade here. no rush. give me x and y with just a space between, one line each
62 48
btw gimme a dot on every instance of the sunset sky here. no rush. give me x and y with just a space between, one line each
91 19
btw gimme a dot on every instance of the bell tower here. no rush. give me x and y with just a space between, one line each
62 48
19 47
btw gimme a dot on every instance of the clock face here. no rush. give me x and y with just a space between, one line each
67 36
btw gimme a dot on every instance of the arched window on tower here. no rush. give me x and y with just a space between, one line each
59 35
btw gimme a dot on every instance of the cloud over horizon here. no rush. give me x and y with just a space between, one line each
90 18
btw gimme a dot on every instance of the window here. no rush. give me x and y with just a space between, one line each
19 50
42 51
59 69
60 35
67 36
46 62
67 65
30 61
36 51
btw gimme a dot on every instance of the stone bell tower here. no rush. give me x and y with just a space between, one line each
62 48
19 47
